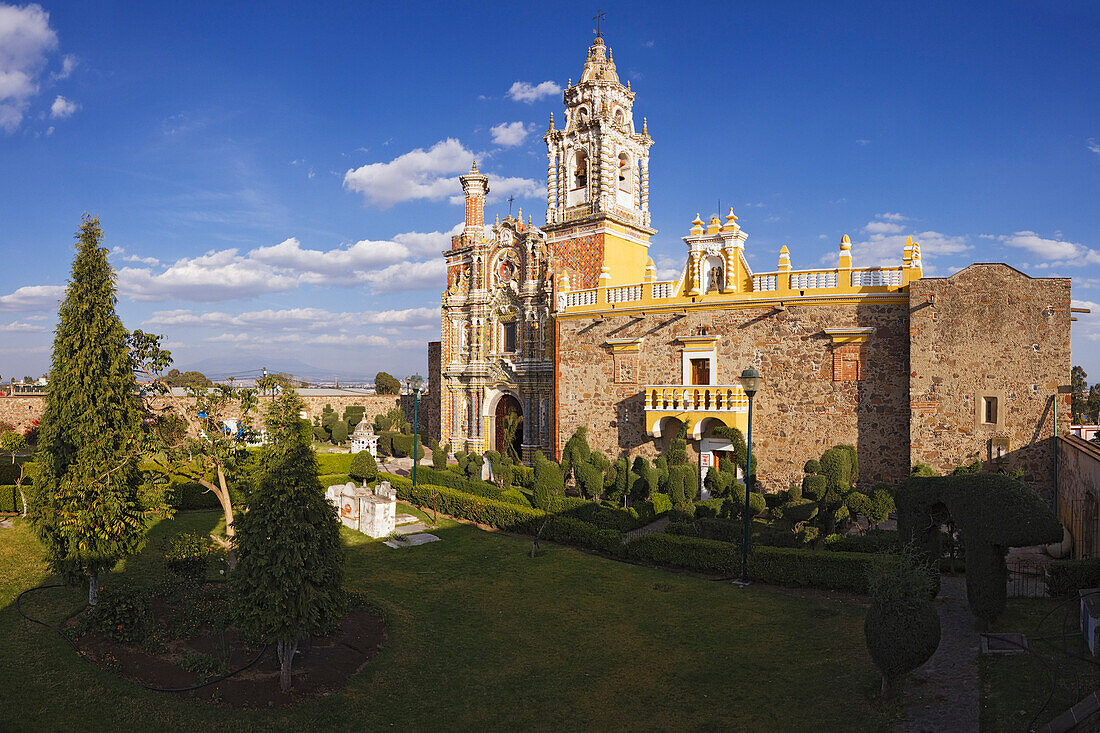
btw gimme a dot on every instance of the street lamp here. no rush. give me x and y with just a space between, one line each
413 383
751 381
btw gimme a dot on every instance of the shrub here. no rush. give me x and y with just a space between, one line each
320 434
607 517
334 478
705 556
795 492
334 463
722 530
452 502
571 531
813 487
10 501
474 465
812 466
807 534
188 557
363 467
122 614
339 432
734 507
439 456
902 628
1068 576
576 450
661 465
846 571
661 503
523 476
501 468
877 540
708 508
402 445
589 479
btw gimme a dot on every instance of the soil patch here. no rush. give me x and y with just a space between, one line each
322 666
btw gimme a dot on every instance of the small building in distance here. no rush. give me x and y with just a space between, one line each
364 439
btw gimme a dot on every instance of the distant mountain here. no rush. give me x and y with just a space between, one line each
222 367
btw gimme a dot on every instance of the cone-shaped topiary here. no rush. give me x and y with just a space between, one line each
85 504
363 467
287 584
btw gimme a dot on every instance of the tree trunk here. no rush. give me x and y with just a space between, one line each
221 491
93 589
23 498
286 651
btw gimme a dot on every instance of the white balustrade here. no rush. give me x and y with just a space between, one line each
876 278
696 398
663 290
580 298
814 280
624 294
765 282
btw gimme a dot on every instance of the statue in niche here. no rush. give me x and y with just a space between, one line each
714 279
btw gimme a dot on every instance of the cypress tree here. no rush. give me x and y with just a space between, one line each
287 584
86 509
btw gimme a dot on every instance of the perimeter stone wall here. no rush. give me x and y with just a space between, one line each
21 411
989 331
799 413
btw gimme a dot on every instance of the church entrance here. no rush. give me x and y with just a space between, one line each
509 428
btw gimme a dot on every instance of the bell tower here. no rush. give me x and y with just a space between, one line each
597 179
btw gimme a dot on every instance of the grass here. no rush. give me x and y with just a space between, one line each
1013 688
481 636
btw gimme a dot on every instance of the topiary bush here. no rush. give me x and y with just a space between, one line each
363 467
339 432
902 627
846 571
439 455
704 556
1069 576
992 513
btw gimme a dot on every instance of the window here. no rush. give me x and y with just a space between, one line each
989 410
509 338
580 169
624 172
700 371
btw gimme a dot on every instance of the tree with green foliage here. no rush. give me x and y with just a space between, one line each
288 582
329 418
188 436
576 450
501 468
385 383
175 378
13 443
439 456
1078 384
86 508
660 465
509 427
902 627
549 483
624 481
646 480
339 432
474 464
363 467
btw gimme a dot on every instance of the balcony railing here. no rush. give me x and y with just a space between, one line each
696 398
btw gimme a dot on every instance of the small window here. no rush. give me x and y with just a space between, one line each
989 410
700 371
509 338
580 170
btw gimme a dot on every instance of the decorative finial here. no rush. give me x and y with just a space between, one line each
473 168
569 83
628 85
645 126
845 242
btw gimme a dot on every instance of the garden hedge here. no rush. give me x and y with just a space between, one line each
333 463
335 478
499 514
1069 576
875 540
704 556
9 499
846 571
570 531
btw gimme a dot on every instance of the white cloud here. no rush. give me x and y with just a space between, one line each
427 275
62 108
501 188
418 174
32 298
668 268
19 326
891 217
863 141
1093 145
883 227
509 134
884 248
523 91
217 275
68 64
1058 250
25 39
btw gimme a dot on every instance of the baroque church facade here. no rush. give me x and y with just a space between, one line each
565 324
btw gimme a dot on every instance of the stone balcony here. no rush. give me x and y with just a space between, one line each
699 405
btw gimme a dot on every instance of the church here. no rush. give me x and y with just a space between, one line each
566 325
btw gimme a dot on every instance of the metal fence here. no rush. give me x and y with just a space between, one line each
1026 578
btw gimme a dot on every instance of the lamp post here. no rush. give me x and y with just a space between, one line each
750 382
413 383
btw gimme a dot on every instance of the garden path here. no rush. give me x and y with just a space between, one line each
942 694
657 526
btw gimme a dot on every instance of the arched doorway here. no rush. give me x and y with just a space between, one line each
508 404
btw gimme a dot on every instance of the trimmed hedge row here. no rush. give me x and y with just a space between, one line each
499 514
876 540
523 476
847 571
705 556
332 479
707 528
452 480
1069 576
9 499
333 463
570 531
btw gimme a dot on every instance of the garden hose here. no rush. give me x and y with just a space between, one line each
84 656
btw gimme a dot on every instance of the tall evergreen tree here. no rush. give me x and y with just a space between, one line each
287 584
85 508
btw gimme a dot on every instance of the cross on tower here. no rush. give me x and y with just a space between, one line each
600 15
510 200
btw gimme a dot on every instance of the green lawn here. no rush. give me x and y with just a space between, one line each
482 637
1014 687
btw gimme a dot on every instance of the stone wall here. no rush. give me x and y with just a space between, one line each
21 410
1078 500
800 411
989 332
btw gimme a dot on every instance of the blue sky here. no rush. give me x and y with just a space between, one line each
277 184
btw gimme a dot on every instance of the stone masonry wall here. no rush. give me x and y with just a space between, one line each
22 411
989 331
800 411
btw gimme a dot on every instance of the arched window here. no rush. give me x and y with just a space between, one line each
625 177
714 273
580 169
620 118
